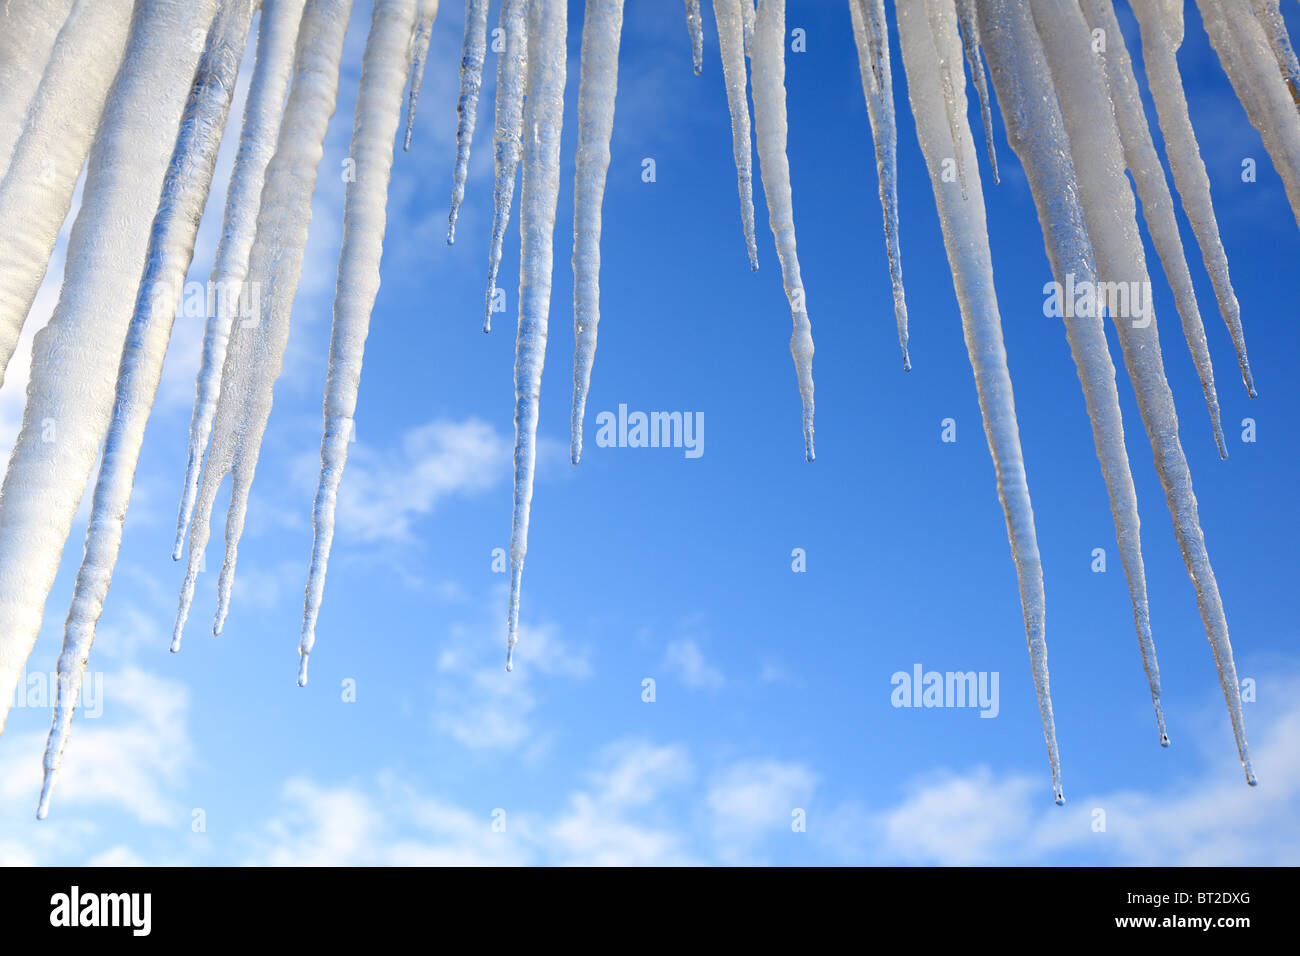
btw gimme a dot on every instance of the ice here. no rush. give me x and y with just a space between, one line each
735 76
597 85
471 78
507 141
940 112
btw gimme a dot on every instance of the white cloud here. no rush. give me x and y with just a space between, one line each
755 799
687 661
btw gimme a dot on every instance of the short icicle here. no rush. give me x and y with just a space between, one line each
171 248
735 75
507 140
471 78
544 118
925 40
968 13
378 113
770 130
420 37
602 28
276 34
872 37
695 26
1110 214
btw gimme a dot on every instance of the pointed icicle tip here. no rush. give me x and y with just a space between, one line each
1060 799
302 670
47 788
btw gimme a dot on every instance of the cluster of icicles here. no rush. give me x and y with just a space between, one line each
123 86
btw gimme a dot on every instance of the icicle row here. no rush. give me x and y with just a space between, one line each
872 38
379 111
1111 217
543 118
36 192
602 28
1162 34
734 73
512 69
770 130
256 352
171 248
1157 203
927 37
106 255
471 78
276 33
1036 132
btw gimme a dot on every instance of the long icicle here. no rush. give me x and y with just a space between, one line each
256 352
106 253
770 130
1111 217
735 75
543 118
1157 203
965 235
378 113
1246 57
419 53
276 33
695 26
171 248
871 34
970 41
36 192
1036 132
1162 33
602 27
26 48
950 71
471 78
507 141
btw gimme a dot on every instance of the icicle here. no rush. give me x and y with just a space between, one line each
36 192
171 247
1036 132
747 23
926 38
944 64
471 78
1162 34
420 38
106 253
695 26
379 111
970 39
768 85
597 84
26 44
512 69
734 72
543 118
1269 14
256 351
1111 217
872 37
1244 52
1157 203
275 41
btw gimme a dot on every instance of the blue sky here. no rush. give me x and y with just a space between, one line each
772 688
